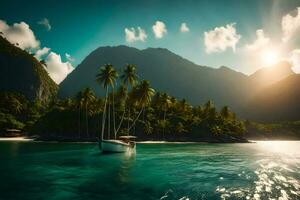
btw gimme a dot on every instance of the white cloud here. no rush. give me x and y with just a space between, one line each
19 33
184 28
69 57
260 42
57 69
159 29
22 34
45 22
221 38
41 52
295 60
290 25
132 35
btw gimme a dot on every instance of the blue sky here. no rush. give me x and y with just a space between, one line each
78 27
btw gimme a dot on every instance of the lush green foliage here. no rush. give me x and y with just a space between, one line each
279 130
22 72
16 112
136 109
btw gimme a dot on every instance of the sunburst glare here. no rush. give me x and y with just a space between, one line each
269 57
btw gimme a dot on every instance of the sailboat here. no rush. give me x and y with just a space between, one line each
107 77
123 144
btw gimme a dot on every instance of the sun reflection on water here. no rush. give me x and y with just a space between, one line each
276 176
279 147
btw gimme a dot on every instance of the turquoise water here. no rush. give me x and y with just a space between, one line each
263 170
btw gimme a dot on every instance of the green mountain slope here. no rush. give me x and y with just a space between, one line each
21 72
277 102
179 77
166 71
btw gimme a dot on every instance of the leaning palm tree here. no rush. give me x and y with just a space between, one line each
129 78
88 96
143 94
106 77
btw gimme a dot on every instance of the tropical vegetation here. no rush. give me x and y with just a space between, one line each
132 106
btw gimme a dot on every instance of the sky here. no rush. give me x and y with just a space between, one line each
244 35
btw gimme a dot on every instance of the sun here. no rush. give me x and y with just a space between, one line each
269 57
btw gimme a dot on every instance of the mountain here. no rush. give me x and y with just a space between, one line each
277 102
269 75
21 72
181 78
166 71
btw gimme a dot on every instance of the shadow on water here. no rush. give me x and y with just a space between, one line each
110 178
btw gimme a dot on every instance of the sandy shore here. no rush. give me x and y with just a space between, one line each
15 139
166 142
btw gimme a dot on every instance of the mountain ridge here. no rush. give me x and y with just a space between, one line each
176 75
278 101
161 60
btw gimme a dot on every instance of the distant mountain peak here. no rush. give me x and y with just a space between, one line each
268 75
282 66
166 71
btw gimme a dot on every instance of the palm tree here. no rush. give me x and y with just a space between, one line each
142 94
148 128
210 110
209 105
106 77
16 105
156 100
96 106
129 78
67 103
225 112
165 104
88 96
173 101
121 95
179 128
79 100
183 105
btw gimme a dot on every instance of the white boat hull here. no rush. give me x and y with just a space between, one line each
116 146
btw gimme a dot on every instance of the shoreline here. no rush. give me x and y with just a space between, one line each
20 139
169 142
26 139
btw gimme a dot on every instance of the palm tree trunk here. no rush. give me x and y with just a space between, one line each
163 133
128 127
108 117
79 122
103 115
123 115
86 121
114 116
